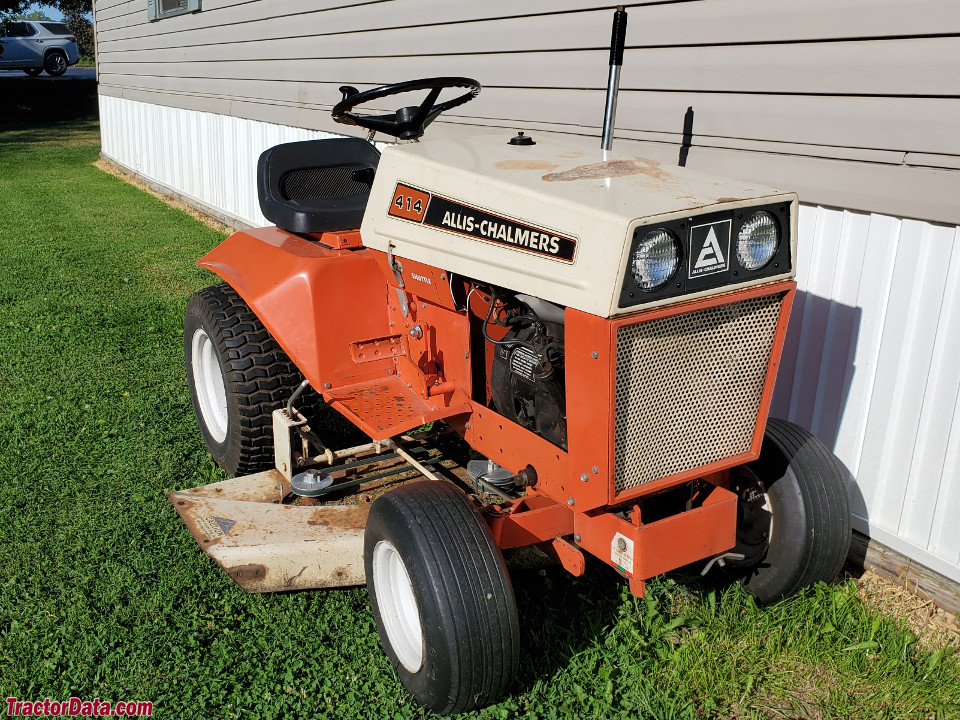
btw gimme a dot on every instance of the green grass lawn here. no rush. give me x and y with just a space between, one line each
103 592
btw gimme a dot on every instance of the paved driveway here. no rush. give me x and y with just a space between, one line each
73 73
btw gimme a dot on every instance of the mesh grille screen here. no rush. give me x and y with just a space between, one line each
323 182
688 388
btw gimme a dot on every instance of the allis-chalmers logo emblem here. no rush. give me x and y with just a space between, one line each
709 249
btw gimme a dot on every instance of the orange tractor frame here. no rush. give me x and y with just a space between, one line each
374 372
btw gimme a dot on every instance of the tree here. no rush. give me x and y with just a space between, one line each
69 8
73 7
12 7
35 15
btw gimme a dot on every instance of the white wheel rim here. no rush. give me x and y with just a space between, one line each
398 606
208 383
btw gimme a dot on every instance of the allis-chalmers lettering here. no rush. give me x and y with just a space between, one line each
452 216
508 232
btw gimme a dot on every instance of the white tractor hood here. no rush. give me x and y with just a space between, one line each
551 220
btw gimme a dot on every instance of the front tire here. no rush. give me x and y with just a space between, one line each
55 63
237 375
441 597
793 520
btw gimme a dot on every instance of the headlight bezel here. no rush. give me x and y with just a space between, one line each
733 275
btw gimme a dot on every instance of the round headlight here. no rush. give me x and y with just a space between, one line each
655 260
758 240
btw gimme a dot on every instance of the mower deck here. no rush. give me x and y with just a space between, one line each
266 539
265 546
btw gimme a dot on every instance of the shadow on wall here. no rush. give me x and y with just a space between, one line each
816 372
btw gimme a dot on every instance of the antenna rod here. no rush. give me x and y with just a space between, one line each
618 39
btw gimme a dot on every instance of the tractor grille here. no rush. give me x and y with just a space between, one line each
688 388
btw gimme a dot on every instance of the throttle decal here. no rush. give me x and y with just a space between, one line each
445 214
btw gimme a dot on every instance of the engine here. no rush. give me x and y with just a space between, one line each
527 376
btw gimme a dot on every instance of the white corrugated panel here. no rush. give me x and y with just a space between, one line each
872 360
211 159
872 366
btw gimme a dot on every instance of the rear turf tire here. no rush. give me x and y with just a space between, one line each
237 375
793 523
441 597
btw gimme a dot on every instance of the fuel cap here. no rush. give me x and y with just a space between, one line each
521 139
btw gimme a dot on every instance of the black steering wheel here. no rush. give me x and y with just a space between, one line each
407 123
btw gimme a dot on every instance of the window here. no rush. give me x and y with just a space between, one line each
159 9
57 28
19 29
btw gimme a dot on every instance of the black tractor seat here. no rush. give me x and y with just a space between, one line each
316 186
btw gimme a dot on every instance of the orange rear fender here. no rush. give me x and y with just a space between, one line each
316 301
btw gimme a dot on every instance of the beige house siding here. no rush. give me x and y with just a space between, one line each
853 104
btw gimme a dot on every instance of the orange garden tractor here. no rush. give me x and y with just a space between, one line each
593 337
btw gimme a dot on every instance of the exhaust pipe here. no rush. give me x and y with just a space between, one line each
617 41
